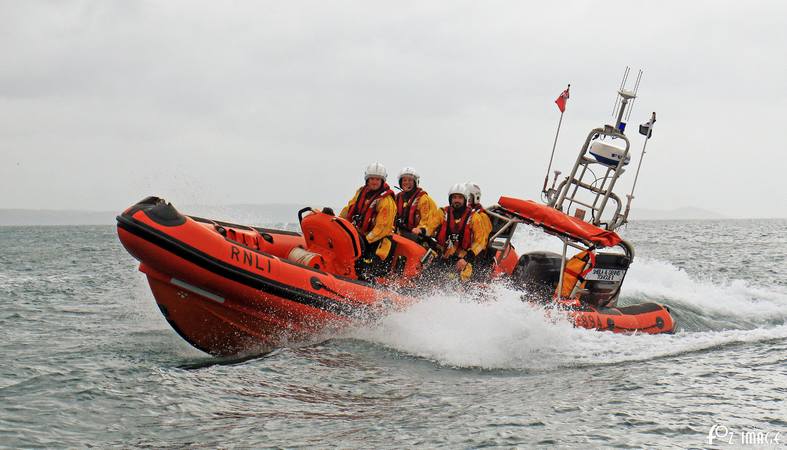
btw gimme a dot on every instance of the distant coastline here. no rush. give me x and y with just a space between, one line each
245 214
270 214
685 213
21 217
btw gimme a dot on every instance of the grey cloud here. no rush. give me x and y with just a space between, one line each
259 102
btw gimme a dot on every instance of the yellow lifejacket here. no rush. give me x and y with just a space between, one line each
576 268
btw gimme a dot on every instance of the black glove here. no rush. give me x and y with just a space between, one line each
469 257
364 243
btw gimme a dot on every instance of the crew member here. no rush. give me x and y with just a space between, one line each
486 260
416 212
462 233
372 210
474 201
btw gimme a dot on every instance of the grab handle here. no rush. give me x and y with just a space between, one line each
300 213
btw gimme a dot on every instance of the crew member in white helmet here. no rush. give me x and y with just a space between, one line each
416 212
462 233
372 210
474 201
486 260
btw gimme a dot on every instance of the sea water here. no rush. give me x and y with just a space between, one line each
88 360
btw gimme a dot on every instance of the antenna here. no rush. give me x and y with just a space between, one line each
625 99
636 89
622 85
645 129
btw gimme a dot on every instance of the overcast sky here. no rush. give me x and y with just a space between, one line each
105 102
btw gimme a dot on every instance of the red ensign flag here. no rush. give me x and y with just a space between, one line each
561 101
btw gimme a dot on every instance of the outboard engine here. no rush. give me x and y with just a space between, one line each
602 284
538 273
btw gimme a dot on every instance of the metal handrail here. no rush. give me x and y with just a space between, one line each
603 194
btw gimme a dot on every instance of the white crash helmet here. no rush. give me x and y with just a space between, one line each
458 188
474 190
411 172
375 170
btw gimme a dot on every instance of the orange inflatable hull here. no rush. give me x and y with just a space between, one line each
232 289
232 294
651 318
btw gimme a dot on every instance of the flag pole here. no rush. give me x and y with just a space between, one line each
642 156
630 196
554 145
551 157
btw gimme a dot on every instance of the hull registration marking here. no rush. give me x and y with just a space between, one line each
599 274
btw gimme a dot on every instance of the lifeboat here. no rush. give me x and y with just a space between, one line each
232 290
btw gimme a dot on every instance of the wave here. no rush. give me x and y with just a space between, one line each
505 333
701 305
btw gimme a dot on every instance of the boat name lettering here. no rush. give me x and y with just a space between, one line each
599 274
248 258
